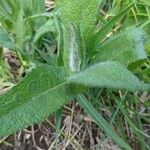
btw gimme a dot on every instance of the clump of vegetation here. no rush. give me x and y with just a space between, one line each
73 53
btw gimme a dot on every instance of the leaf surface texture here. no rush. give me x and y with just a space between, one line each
125 48
110 75
41 93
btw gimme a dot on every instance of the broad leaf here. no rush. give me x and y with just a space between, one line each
110 75
125 48
5 40
83 15
41 93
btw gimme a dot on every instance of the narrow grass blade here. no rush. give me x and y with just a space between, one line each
107 27
101 122
58 119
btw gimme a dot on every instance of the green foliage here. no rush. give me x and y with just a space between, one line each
87 106
126 47
84 23
74 49
49 26
5 39
41 93
78 15
46 88
108 74
108 26
17 17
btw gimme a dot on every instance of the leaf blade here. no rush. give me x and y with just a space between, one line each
107 27
125 48
110 75
83 16
32 102
102 123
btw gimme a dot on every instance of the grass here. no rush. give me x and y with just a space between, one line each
128 113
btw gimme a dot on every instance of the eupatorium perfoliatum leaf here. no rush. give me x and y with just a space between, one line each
110 75
38 95
126 47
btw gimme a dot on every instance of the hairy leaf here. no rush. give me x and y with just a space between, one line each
110 75
83 15
125 48
74 48
41 93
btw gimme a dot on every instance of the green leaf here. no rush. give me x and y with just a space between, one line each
41 93
39 16
32 7
9 10
74 48
38 6
101 122
19 29
47 27
5 39
72 44
125 48
60 41
83 15
110 75
108 26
